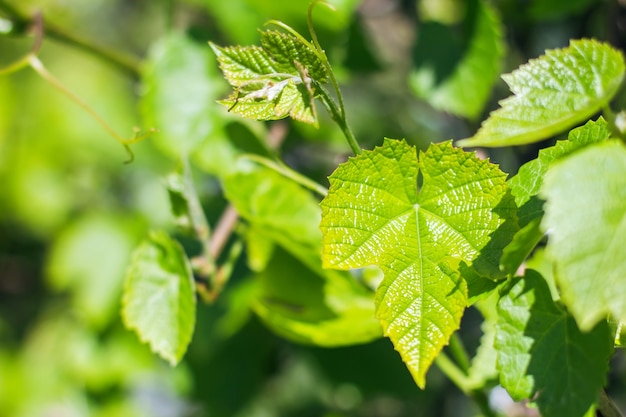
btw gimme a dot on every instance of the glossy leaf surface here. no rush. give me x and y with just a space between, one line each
374 214
553 93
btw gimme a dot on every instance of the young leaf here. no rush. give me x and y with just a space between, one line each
296 298
460 87
526 184
373 214
586 222
272 81
542 354
553 93
287 50
159 300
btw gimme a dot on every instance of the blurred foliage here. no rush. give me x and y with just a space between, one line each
71 211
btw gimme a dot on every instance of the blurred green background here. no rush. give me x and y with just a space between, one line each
71 211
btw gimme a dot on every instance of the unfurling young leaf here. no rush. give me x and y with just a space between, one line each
375 214
553 93
272 81
159 300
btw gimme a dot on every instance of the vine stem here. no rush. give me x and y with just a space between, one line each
124 62
607 407
458 374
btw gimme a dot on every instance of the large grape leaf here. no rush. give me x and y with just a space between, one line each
374 215
543 355
296 297
586 223
462 86
159 300
553 93
526 184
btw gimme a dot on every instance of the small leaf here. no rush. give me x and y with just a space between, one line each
159 296
273 81
461 87
553 93
542 354
373 214
523 243
586 224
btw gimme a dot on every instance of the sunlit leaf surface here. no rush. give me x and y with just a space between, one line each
374 214
553 93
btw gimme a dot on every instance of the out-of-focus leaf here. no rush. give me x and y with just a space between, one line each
159 300
88 260
180 87
542 352
239 19
315 306
526 184
586 223
553 93
557 9
458 77
296 297
374 214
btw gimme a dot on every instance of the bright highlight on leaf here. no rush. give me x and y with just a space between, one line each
542 353
272 81
159 300
553 93
374 215
586 223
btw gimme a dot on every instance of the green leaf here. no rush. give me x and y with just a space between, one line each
297 298
542 354
586 223
553 93
459 79
273 81
314 306
528 181
291 54
373 214
526 184
89 259
159 296
179 89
